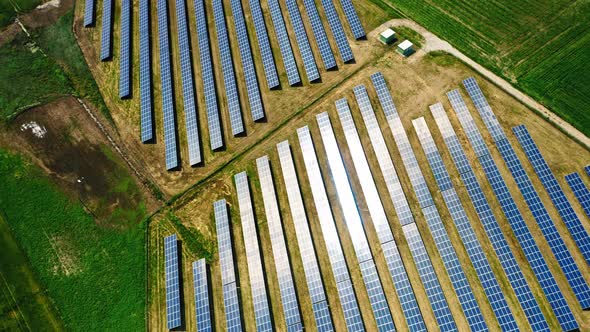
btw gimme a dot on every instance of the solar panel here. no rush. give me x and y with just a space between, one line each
319 34
429 210
145 72
227 68
355 226
380 220
268 62
353 20
277 240
105 30
337 31
564 207
476 254
255 272
125 46
88 13
202 309
171 268
587 170
256 107
284 44
405 217
580 191
531 197
310 263
311 69
514 217
352 315
188 87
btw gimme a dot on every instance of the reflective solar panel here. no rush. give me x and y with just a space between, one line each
486 216
311 69
284 44
145 72
125 53
170 140
337 31
171 268
252 88
355 226
88 13
319 34
476 254
380 221
519 227
105 30
429 210
255 271
188 87
348 301
564 207
580 191
203 315
268 62
227 68
304 240
353 20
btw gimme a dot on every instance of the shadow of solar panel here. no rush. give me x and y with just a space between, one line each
580 191
202 310
125 51
337 31
145 72
320 34
353 20
284 44
268 62
311 69
88 13
173 315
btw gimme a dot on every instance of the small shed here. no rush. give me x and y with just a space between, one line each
387 36
405 48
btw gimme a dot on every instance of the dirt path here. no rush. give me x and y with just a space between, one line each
434 43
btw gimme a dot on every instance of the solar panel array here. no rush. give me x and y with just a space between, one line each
145 72
188 87
587 170
337 31
227 68
355 226
580 191
203 315
517 223
171 268
105 32
311 69
284 44
476 254
255 272
89 13
226 262
310 263
439 234
319 34
531 197
378 216
353 20
279 248
268 62
125 53
256 107
348 301
564 207
486 216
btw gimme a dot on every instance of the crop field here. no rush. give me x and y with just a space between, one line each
540 46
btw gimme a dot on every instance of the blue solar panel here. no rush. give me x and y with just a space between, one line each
587 170
337 31
106 30
227 68
439 234
89 13
284 44
171 267
188 87
348 302
353 20
145 72
564 207
170 140
476 254
311 69
268 62
256 108
319 34
519 227
125 53
202 310
580 191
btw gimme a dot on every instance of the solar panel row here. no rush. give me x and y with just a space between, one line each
311 69
587 170
88 13
564 207
125 53
486 216
203 315
171 268
580 191
337 31
319 34
284 44
145 72
353 20
106 33
519 227
268 62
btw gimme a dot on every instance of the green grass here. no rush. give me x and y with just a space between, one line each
10 8
539 45
94 276
409 34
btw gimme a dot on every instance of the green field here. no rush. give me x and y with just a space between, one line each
9 8
540 46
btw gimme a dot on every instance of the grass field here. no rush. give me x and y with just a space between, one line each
540 46
10 8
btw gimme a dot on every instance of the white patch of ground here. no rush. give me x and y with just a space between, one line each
51 3
36 129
